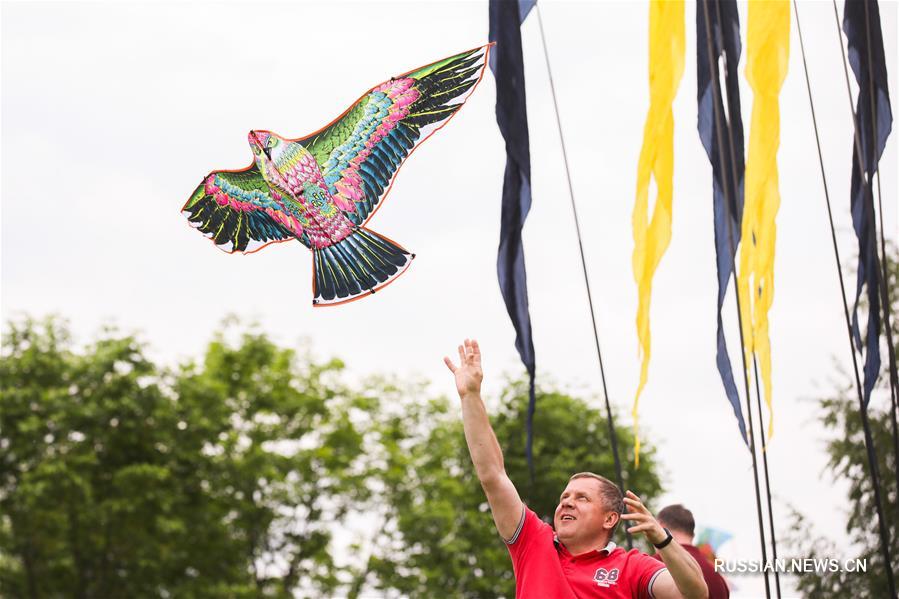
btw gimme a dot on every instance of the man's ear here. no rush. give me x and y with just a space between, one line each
611 520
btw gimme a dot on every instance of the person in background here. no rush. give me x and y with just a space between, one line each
679 520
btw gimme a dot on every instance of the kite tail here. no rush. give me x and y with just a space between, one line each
356 266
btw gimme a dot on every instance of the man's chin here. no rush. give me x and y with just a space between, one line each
566 529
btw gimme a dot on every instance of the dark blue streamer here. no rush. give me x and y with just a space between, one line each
726 34
872 144
511 115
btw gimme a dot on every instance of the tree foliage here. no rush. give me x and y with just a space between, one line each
118 479
233 475
848 462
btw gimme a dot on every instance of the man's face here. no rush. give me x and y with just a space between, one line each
581 517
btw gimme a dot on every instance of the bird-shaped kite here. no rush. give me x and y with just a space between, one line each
323 188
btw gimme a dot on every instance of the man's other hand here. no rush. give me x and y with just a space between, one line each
643 520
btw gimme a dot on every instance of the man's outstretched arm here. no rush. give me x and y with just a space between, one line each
486 454
684 576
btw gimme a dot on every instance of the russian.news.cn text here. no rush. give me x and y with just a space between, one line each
804 565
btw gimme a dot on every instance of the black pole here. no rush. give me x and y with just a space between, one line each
758 398
580 245
718 97
872 462
758 394
868 195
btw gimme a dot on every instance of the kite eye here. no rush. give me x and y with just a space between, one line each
272 142
256 150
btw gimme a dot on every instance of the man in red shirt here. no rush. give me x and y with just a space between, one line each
679 520
577 559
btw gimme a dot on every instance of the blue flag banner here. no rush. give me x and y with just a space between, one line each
512 117
524 9
725 153
859 20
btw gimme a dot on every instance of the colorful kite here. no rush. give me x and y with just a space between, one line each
321 189
709 542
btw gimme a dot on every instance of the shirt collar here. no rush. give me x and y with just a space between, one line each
608 549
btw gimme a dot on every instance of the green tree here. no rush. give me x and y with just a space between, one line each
86 487
848 462
223 479
437 531
286 455
229 477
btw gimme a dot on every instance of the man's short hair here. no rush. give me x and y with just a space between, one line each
677 517
611 495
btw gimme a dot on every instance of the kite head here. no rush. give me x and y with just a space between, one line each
589 510
264 144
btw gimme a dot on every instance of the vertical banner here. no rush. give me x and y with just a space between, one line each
861 23
725 154
512 118
651 237
767 58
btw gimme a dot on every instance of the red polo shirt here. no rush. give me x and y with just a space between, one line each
544 569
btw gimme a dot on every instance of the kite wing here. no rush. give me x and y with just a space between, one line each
362 150
239 212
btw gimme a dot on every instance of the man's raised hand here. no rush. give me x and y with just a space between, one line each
468 373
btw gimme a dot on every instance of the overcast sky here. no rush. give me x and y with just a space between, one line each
113 112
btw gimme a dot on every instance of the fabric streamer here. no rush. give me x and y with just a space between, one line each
726 186
767 58
511 116
651 237
870 73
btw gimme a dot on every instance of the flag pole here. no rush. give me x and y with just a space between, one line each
868 183
758 393
758 399
763 436
872 462
718 96
605 391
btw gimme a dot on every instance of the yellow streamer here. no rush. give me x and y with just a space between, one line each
651 238
767 55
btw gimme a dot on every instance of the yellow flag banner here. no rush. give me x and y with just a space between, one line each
767 55
651 237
